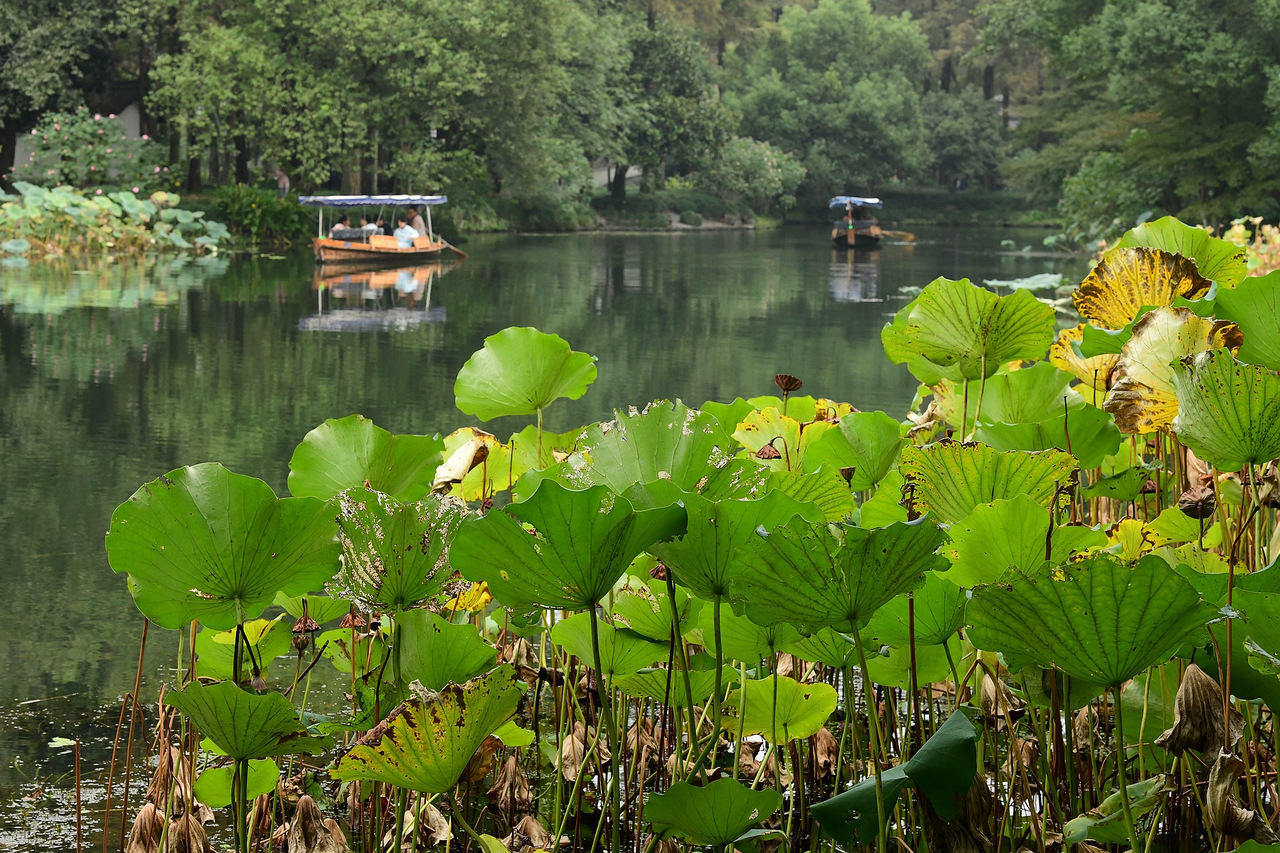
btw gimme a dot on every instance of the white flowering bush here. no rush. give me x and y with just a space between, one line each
753 173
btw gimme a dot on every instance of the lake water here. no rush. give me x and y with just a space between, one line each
113 373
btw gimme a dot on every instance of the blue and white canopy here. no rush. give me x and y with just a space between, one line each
855 201
370 200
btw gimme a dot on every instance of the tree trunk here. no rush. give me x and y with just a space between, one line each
215 163
242 159
618 185
193 173
8 150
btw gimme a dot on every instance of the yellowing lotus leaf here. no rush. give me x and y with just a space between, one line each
1094 373
1129 279
472 600
778 441
1129 539
949 479
1142 399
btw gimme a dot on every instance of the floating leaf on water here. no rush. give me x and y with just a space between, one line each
202 543
715 815
1041 281
15 246
1130 279
521 371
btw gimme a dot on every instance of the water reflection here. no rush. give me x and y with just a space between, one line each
57 285
363 300
855 275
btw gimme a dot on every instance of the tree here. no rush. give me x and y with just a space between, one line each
964 139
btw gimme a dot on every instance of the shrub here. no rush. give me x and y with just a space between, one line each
653 220
262 216
691 217
753 172
88 150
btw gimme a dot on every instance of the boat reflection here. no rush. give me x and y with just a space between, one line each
854 275
374 299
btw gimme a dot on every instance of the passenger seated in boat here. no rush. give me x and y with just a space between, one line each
343 224
370 227
404 234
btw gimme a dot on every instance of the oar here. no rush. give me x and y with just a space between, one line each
458 251
899 235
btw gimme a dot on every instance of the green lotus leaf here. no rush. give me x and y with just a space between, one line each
622 652
718 531
1142 400
215 651
521 371
1087 433
654 684
1098 619
647 611
667 441
1026 395
321 608
364 654
1228 412
204 543
1130 279
936 610
892 667
1125 485
244 725
213 786
867 442
728 415
353 451
394 554
1262 619
827 646
962 331
15 246
780 708
1106 823
716 814
1009 536
436 652
1254 306
582 543
949 479
427 746
1219 260
885 506
943 769
805 575
825 490
743 639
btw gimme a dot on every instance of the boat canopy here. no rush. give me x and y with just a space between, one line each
367 200
855 201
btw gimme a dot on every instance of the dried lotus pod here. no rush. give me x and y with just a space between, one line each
1197 502
787 383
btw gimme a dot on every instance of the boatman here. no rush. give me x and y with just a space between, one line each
405 234
415 220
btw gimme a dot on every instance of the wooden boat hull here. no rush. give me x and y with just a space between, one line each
349 252
856 238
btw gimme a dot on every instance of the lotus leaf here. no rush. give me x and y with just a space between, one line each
321 608
717 814
867 442
394 554
943 769
365 654
1229 413
667 441
743 639
1125 485
1010 536
647 611
353 451
1130 279
204 543
1025 395
427 746
1106 822
268 639
718 531
959 331
582 543
938 613
892 667
213 786
884 507
728 415
781 708
655 684
827 646
1087 433
1254 306
245 725
1142 400
789 437
824 490
521 371
476 465
622 651
805 575
1215 258
15 246
436 652
950 479
1098 619
1262 619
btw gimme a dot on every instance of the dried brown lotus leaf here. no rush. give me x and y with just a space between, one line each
510 792
1093 372
483 760
1223 813
967 831
999 703
1129 279
186 835
308 833
824 754
1197 716
434 826
1142 397
148 826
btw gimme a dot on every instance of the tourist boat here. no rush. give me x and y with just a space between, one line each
858 229
353 246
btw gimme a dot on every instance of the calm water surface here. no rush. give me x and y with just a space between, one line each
112 374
